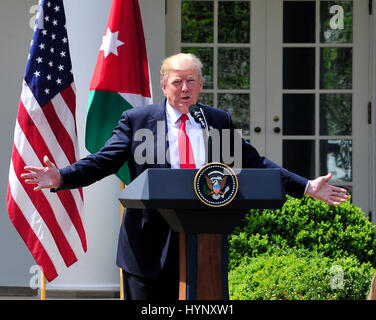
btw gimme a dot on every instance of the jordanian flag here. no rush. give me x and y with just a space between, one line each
121 78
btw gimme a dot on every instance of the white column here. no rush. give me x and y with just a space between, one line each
86 21
372 90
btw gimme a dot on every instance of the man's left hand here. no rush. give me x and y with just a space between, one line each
320 189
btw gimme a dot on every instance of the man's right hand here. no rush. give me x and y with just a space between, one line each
45 177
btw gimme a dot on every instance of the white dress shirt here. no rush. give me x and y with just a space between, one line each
194 133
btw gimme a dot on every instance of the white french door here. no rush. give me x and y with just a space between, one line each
294 76
317 88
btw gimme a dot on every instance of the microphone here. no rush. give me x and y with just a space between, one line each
198 115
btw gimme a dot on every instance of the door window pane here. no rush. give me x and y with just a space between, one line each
206 98
299 21
206 57
298 114
233 22
299 157
238 106
298 68
197 21
336 157
335 114
233 68
219 33
336 68
336 19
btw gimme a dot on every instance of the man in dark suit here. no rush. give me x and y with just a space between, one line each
147 247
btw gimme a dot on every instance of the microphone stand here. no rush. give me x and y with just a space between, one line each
209 138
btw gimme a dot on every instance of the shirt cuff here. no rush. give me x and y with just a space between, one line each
306 187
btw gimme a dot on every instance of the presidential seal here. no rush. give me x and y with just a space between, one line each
216 184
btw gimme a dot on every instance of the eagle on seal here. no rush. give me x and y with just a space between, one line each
216 185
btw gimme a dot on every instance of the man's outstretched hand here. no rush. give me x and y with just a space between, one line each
45 177
320 189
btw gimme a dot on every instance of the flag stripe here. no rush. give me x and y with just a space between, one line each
62 108
136 100
38 145
39 125
64 206
70 205
69 97
35 221
27 233
46 134
45 211
60 132
104 112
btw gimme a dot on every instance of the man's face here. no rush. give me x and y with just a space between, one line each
182 88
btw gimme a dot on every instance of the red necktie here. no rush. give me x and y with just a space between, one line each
186 156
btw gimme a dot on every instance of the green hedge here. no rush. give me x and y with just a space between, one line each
304 232
296 274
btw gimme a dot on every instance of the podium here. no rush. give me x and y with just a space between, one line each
202 229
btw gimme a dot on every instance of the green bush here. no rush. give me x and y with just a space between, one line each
289 253
297 274
341 231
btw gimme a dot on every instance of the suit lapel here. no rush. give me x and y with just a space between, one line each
208 116
213 123
158 125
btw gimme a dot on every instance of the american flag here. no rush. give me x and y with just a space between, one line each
51 224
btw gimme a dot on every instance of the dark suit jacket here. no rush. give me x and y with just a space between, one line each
144 236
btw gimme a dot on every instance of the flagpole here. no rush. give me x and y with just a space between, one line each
42 286
122 187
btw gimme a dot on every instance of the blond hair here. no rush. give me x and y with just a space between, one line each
180 61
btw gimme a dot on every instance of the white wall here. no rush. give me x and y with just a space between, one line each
15 36
86 20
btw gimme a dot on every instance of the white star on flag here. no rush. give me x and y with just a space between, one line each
110 43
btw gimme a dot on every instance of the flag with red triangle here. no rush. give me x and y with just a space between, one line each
121 78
